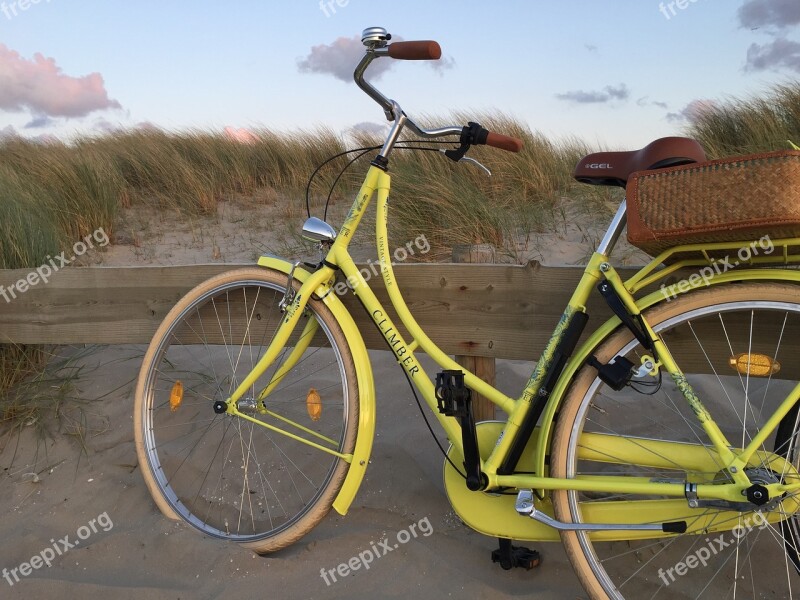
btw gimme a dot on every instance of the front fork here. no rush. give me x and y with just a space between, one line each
288 364
319 283
293 306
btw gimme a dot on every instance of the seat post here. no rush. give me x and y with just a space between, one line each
614 230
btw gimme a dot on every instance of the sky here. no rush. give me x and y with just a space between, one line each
617 74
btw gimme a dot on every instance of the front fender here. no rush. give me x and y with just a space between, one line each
366 386
602 332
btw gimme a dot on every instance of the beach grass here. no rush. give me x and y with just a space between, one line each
53 194
749 125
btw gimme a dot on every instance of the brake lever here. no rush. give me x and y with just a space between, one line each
477 164
470 160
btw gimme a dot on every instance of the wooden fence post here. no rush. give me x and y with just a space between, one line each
482 366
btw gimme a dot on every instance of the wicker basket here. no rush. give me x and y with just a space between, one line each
727 200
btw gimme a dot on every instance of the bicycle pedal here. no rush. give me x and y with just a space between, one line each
454 399
510 556
452 395
527 559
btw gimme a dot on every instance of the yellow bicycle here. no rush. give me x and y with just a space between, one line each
662 450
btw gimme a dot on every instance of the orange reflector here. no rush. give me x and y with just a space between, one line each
757 365
176 396
314 404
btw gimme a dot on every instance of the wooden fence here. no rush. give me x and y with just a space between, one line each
493 311
481 311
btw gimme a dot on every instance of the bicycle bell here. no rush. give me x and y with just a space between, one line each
375 37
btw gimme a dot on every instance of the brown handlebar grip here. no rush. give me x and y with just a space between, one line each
504 142
422 50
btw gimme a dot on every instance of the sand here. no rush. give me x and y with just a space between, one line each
241 231
131 549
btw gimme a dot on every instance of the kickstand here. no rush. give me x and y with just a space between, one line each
510 556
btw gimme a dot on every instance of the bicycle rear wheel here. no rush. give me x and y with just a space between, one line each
725 553
227 476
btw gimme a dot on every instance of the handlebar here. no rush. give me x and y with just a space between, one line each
422 50
376 39
504 142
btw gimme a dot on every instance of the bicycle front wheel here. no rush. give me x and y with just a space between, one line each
736 345
230 477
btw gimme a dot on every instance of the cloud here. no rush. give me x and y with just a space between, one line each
775 16
241 135
40 86
370 128
8 132
590 47
445 63
146 126
621 92
780 53
45 138
105 126
341 57
40 121
609 93
645 101
692 112
769 13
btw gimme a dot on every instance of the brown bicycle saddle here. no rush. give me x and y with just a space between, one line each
614 168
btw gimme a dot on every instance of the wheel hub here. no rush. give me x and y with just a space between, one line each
757 493
247 404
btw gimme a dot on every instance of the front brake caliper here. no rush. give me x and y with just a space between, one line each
289 294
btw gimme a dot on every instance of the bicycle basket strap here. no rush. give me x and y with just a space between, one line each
727 200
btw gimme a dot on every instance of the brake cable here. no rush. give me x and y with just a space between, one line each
317 170
362 151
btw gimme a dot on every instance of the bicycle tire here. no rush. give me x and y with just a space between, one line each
641 568
284 488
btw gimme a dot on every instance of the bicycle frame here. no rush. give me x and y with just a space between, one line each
320 282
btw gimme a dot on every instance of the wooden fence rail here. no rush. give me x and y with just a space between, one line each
495 311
